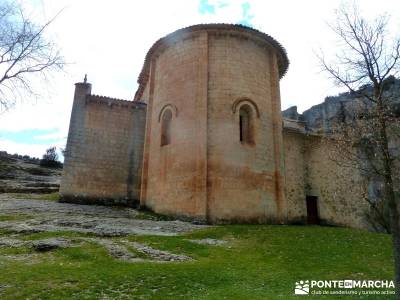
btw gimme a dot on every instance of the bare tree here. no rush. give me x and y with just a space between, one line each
25 54
50 158
366 61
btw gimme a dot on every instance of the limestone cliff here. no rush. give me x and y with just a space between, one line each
320 117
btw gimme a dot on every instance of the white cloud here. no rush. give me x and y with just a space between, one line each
34 150
51 136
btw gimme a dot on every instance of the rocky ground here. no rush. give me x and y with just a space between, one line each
100 223
19 175
99 220
28 205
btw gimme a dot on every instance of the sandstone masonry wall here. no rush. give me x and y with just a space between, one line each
309 171
174 174
295 175
104 149
203 78
339 189
242 178
206 172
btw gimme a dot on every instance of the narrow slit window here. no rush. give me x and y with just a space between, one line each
166 128
246 126
241 127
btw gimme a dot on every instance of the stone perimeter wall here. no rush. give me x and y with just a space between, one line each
295 176
103 156
310 172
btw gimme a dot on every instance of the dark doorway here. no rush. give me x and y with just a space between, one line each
312 210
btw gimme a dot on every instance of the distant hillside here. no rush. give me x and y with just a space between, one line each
23 174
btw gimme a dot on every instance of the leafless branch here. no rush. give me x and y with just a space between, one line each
367 143
25 54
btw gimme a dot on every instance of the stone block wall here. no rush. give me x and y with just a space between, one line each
338 188
104 150
295 175
242 178
174 175
310 171
204 75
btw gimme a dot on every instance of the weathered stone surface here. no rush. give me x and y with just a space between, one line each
19 175
100 220
115 250
212 242
158 255
10 242
50 244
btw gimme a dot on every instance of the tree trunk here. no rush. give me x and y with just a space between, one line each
394 222
389 191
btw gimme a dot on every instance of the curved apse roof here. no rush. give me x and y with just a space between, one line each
260 37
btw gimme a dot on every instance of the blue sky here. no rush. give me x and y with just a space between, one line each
207 7
108 40
32 136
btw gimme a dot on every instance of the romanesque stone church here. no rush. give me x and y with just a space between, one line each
204 138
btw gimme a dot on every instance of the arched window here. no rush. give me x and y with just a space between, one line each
166 127
246 125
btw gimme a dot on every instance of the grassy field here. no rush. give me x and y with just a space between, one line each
257 262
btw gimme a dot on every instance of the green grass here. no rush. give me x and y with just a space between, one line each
14 217
49 197
15 250
257 262
46 235
145 214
